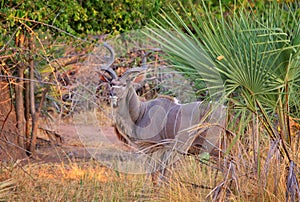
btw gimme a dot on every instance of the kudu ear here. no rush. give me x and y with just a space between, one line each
139 78
103 77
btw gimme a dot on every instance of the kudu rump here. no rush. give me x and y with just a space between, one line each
183 128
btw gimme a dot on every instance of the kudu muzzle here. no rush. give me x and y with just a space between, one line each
113 96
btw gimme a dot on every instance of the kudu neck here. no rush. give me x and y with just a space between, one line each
133 103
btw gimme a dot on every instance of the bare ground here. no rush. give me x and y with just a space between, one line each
79 141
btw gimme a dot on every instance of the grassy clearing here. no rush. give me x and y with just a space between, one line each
76 181
190 180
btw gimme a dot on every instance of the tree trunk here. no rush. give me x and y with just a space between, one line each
31 72
10 149
19 88
35 120
27 113
29 96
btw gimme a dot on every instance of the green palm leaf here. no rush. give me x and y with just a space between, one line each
252 57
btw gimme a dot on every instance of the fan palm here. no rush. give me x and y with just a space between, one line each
251 58
254 58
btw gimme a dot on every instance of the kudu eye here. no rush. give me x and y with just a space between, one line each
112 93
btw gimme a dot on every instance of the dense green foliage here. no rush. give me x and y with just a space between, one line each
93 16
83 17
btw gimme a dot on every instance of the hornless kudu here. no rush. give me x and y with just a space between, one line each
183 128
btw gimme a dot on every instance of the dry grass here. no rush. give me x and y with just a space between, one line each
249 173
188 181
76 181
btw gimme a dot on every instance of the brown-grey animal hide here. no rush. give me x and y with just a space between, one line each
182 126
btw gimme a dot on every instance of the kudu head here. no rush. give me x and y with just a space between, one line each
119 86
134 77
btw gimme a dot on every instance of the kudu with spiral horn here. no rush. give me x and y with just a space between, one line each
194 127
161 123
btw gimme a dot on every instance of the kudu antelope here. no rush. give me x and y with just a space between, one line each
183 128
